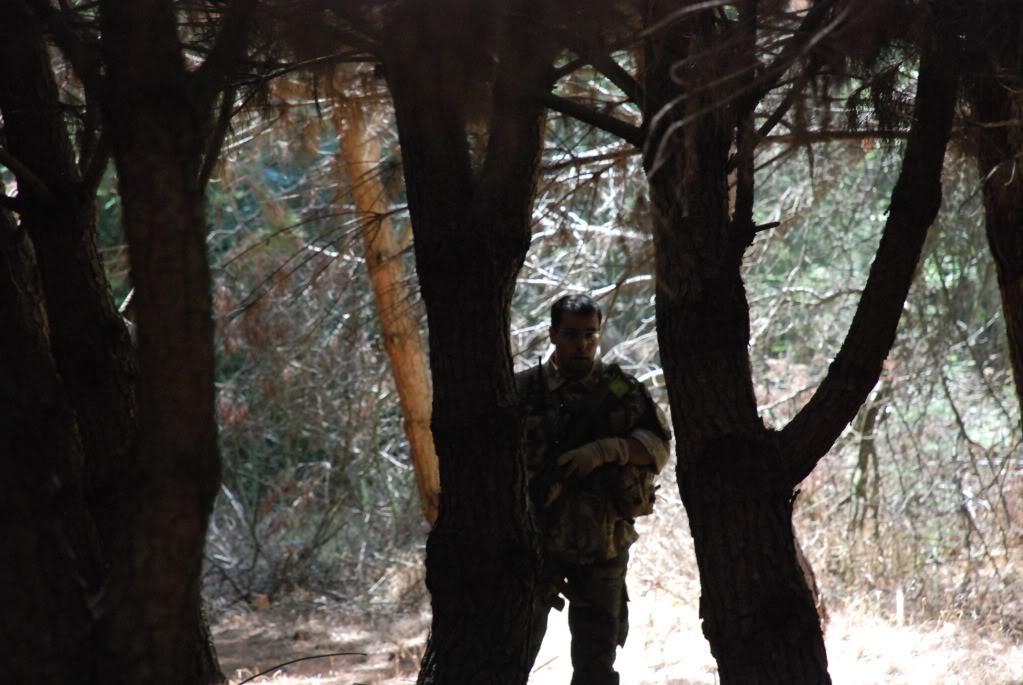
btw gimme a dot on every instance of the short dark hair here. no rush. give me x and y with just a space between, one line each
574 304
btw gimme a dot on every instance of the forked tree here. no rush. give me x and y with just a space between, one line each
735 475
113 517
702 83
470 139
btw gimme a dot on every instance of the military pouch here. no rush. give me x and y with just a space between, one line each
636 492
580 527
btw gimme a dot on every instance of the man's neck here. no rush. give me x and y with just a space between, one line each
569 375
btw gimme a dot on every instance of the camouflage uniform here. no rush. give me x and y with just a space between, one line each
587 528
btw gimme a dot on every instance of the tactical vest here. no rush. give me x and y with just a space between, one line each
591 517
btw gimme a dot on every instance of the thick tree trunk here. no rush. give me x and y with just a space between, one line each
758 614
995 96
89 340
472 229
360 150
157 124
93 351
51 560
735 477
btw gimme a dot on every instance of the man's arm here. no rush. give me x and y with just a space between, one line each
641 447
647 449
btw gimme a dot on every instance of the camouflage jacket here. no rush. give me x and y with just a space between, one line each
591 518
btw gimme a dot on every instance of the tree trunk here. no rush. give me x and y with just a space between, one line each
90 343
89 340
758 613
472 229
403 343
156 117
51 561
736 477
997 103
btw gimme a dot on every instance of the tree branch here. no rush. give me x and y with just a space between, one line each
600 60
836 135
228 48
915 202
84 58
92 175
809 33
28 181
558 73
786 104
742 226
219 135
633 135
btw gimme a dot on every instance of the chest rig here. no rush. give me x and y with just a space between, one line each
590 517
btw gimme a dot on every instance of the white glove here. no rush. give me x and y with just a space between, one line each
583 460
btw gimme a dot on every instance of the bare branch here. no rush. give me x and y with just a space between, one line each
836 135
96 166
583 160
28 180
567 68
786 104
219 135
810 32
228 48
633 135
598 57
84 58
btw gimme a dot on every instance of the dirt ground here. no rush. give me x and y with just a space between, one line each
665 647
379 650
867 644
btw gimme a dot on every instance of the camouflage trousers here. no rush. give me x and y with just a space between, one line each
598 616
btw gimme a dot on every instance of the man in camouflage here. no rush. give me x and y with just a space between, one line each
594 442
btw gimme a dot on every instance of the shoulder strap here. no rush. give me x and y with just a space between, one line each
530 385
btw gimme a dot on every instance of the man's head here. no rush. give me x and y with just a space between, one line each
575 332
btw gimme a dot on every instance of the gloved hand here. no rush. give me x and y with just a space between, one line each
583 460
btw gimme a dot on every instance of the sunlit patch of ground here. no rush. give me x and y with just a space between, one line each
379 648
665 645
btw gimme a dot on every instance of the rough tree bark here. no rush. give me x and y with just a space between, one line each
51 557
89 340
995 94
360 152
157 113
736 478
472 228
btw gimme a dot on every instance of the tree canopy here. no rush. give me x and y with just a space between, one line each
342 226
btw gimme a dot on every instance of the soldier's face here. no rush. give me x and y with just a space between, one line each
575 343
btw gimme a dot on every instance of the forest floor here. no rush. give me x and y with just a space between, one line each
665 645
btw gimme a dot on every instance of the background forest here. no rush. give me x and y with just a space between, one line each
318 486
281 168
910 518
